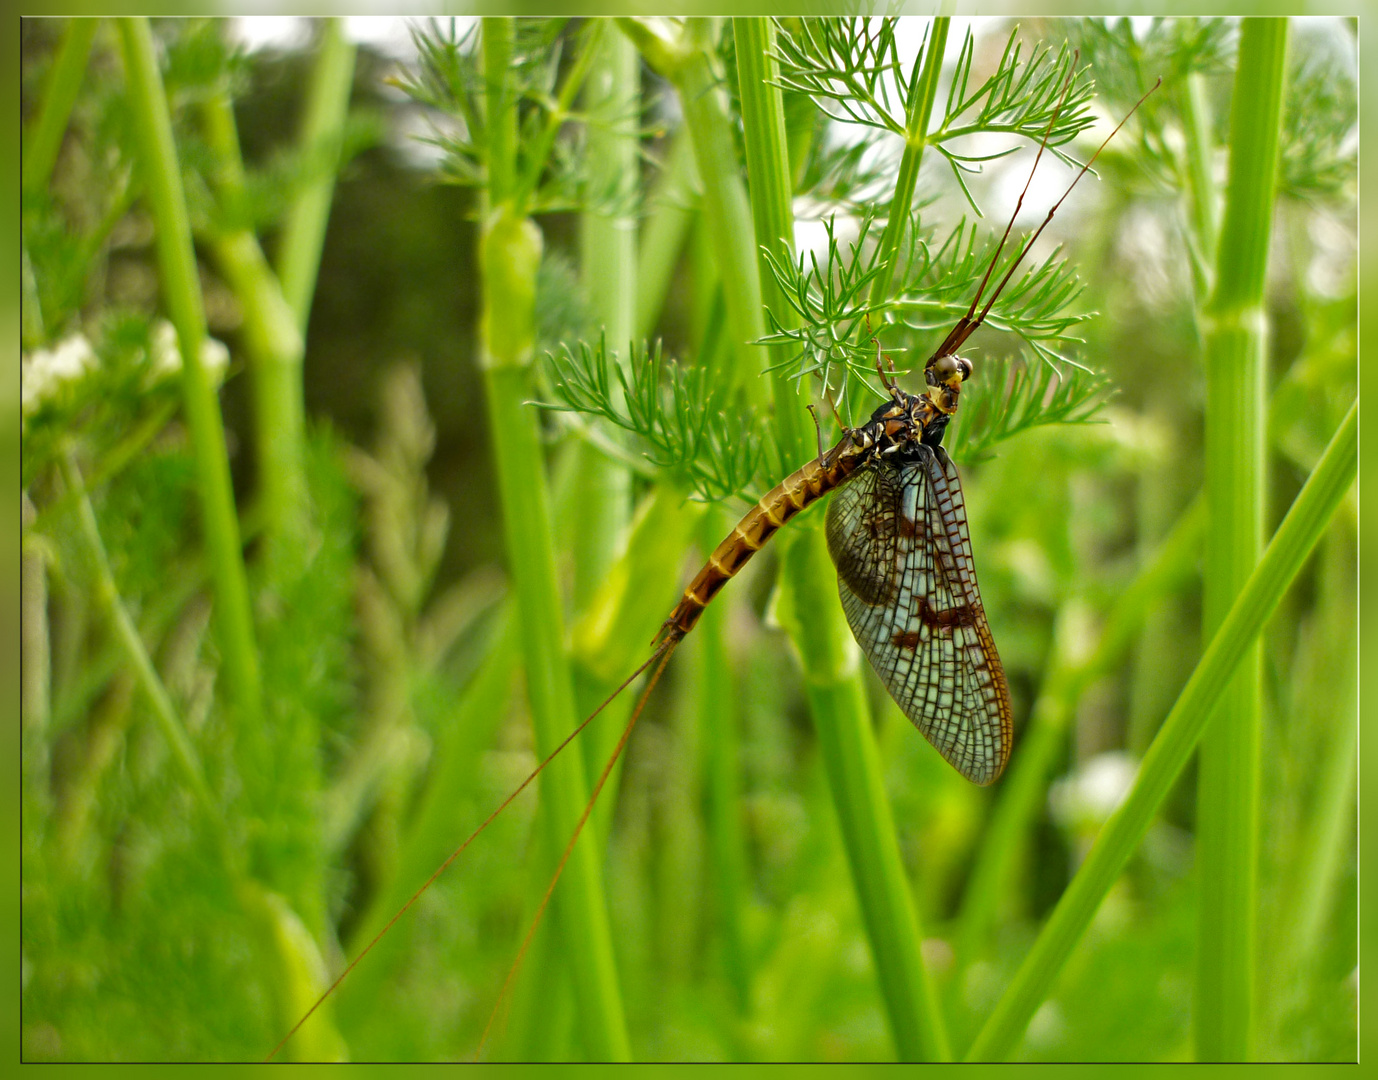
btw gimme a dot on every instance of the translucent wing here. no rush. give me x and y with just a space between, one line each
897 533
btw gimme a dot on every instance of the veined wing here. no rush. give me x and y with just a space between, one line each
897 533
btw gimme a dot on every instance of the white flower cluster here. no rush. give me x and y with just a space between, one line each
165 355
47 375
1086 798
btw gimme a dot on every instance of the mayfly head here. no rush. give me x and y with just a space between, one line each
945 375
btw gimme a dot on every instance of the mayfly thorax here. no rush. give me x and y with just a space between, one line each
897 532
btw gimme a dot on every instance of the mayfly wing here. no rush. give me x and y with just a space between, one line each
898 536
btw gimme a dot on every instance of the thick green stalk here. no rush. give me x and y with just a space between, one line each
718 723
59 95
580 904
1172 747
182 293
922 93
1236 338
1196 120
828 655
608 269
812 616
509 255
322 130
273 339
609 274
690 64
772 212
500 146
670 211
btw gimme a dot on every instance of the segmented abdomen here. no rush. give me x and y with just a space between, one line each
777 506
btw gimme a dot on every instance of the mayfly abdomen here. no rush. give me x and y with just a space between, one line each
777 506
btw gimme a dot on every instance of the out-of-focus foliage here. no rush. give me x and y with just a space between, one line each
396 717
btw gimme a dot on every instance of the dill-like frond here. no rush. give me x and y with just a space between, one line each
676 413
850 176
935 283
1126 58
551 143
830 297
1319 132
1029 395
1020 98
937 288
851 68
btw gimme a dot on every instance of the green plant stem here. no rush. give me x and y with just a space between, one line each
672 206
500 147
608 269
1235 323
827 652
127 634
539 152
580 904
812 616
1025 786
59 95
772 212
1196 120
609 273
1172 747
919 108
509 256
322 132
690 64
274 342
639 589
719 719
182 292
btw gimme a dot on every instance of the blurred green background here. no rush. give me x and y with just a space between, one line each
171 917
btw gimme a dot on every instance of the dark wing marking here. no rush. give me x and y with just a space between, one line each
897 533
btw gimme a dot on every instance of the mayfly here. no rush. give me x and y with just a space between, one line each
897 533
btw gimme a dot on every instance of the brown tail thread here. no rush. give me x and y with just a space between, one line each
662 653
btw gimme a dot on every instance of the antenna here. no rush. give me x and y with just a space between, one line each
967 325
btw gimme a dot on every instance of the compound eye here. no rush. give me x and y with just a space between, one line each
946 369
